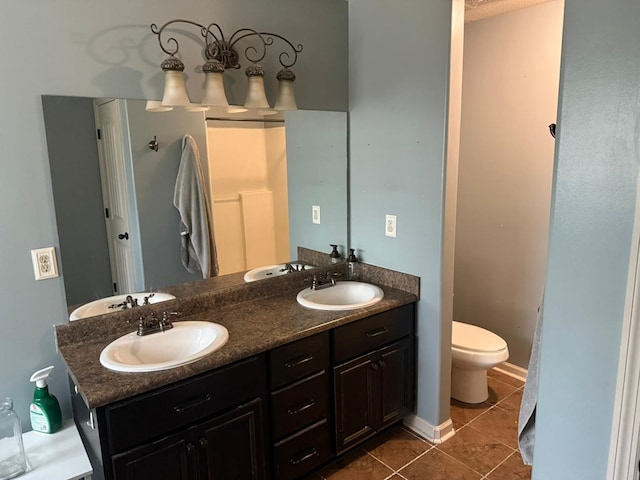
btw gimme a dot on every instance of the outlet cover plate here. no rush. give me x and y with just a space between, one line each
390 226
44 263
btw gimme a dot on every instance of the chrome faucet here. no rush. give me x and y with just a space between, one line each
319 281
129 302
155 324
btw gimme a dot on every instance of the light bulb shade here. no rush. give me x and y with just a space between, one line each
214 90
175 91
286 99
256 96
156 106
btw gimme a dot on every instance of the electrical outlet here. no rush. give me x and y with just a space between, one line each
390 226
315 214
44 263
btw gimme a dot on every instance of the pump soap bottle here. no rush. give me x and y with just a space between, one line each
334 255
45 413
352 261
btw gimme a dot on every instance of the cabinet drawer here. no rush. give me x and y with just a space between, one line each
299 404
299 359
303 452
142 418
370 333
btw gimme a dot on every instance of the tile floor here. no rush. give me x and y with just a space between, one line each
483 448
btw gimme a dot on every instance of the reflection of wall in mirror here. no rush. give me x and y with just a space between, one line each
248 184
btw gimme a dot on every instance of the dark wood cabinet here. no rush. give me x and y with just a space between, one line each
279 415
208 427
225 447
376 388
300 416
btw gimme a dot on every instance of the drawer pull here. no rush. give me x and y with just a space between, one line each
298 361
192 404
377 332
301 407
305 456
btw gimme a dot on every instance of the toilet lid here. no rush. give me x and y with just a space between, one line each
470 337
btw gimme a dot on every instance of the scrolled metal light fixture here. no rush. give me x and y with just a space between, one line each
221 54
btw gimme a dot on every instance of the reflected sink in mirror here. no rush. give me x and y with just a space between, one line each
271 271
185 343
345 295
116 303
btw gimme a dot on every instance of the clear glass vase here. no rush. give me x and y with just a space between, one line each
12 458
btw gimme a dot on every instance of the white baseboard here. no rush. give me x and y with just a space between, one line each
512 370
433 433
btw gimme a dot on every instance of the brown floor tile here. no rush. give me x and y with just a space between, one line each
512 402
504 378
512 469
358 465
500 424
498 390
462 413
435 465
396 447
476 449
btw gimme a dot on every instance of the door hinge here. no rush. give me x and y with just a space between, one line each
106 212
115 287
99 134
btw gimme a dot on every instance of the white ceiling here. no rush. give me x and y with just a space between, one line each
479 9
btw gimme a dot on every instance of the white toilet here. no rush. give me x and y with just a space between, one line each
473 351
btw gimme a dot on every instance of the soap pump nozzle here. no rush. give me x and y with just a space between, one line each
40 377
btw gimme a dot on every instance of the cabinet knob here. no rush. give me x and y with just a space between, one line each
190 448
374 365
203 442
382 363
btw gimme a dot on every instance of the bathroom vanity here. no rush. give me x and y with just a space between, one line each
292 389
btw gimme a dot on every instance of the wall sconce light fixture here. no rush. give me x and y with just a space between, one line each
221 53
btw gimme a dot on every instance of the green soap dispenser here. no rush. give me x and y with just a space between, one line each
45 413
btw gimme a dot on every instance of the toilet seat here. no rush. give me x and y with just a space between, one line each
475 339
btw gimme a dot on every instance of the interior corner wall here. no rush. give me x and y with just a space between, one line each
593 210
112 55
510 96
398 96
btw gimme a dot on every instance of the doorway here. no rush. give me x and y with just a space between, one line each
510 82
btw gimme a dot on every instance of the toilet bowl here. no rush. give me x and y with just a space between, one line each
473 351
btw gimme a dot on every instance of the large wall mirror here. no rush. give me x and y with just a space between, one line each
262 176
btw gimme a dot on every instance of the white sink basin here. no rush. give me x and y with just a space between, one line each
185 343
270 271
342 296
102 305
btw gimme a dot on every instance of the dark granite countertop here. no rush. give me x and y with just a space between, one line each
255 326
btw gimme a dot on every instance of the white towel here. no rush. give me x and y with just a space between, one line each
198 252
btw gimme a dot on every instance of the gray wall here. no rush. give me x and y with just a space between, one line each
510 95
317 175
398 104
596 174
105 49
75 176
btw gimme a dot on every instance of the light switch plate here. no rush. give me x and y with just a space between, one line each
315 214
44 263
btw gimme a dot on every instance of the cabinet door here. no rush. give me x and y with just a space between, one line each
170 458
396 381
355 387
232 446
